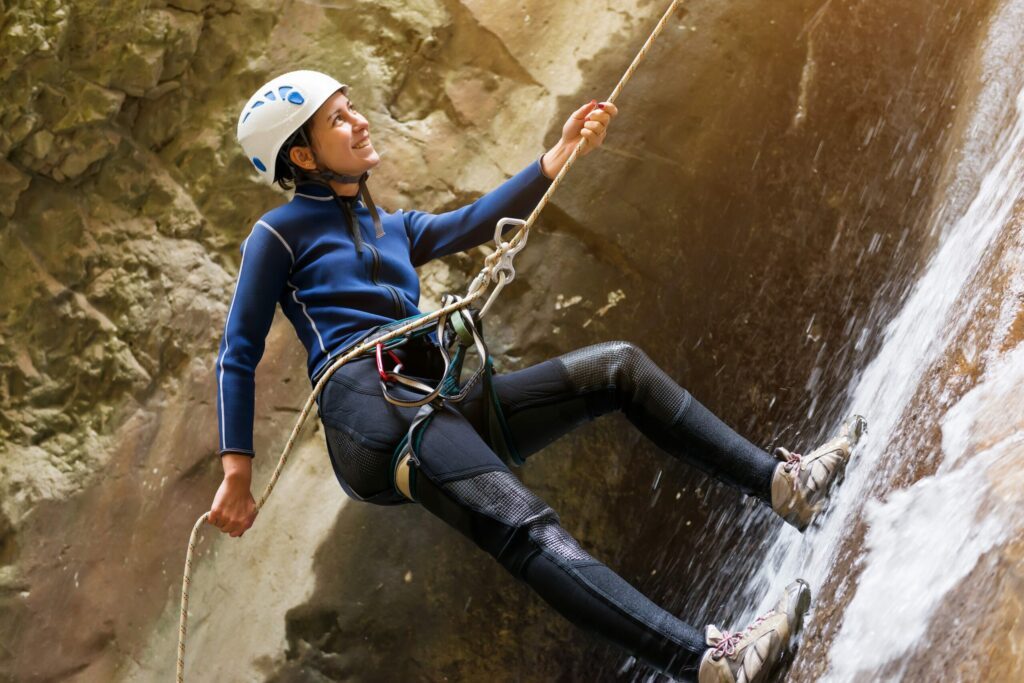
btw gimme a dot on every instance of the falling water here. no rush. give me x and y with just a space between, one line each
921 541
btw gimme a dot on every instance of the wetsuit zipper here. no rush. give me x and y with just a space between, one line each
396 299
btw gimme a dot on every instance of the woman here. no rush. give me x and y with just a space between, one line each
340 268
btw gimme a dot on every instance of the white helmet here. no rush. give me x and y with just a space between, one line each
276 111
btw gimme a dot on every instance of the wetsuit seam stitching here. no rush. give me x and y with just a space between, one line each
687 402
468 473
373 444
574 392
350 384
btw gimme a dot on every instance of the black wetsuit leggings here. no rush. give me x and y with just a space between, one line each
460 479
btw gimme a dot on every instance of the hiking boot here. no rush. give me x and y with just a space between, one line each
802 483
750 655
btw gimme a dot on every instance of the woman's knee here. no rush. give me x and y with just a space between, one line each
620 375
613 364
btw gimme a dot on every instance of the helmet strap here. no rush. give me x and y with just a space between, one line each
345 203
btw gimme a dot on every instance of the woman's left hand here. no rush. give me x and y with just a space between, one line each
590 123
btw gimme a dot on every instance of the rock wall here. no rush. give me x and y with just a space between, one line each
124 201
757 207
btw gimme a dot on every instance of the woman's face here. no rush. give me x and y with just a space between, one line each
341 137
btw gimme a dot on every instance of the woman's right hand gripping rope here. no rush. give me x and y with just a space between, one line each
234 509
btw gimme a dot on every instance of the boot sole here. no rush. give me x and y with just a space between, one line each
798 605
855 427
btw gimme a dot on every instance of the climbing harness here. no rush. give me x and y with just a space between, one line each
499 270
463 330
466 328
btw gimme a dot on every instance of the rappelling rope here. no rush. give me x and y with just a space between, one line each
498 268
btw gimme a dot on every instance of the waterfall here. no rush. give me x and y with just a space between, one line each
921 541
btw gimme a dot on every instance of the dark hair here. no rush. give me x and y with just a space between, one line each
286 174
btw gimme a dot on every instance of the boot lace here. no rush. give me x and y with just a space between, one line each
792 461
726 647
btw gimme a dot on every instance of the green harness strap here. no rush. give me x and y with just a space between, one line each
411 443
496 426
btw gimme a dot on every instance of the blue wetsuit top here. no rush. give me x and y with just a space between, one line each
301 255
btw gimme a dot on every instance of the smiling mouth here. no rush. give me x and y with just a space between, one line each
364 143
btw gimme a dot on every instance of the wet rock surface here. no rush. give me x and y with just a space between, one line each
759 209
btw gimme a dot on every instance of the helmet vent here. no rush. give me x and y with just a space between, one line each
286 92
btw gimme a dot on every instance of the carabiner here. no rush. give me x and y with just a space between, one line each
384 374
